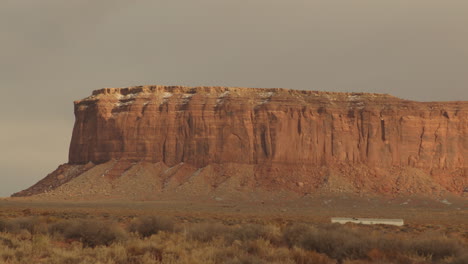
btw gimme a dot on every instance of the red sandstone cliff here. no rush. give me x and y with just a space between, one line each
282 139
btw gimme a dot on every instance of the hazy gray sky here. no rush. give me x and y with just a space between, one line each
54 51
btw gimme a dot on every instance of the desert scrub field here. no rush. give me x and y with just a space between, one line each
156 239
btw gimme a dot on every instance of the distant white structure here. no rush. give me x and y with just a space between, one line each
367 221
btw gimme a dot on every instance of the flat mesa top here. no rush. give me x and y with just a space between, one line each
366 219
219 95
221 91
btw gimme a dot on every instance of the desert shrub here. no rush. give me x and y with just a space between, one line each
294 234
435 246
90 233
69 260
7 242
26 223
235 256
33 225
247 232
254 247
279 255
138 248
265 250
7 256
151 225
301 256
337 242
19 254
342 242
60 227
463 259
376 255
23 235
3 225
41 245
389 245
245 259
224 254
205 232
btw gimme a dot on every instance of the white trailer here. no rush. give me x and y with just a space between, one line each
367 221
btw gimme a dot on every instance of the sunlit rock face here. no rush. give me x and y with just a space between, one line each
203 125
150 140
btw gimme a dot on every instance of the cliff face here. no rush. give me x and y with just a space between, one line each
277 138
206 125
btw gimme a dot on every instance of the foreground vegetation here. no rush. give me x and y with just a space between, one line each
154 239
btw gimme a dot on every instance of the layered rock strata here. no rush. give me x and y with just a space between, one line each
374 142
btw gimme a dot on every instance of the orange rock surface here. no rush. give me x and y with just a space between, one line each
288 139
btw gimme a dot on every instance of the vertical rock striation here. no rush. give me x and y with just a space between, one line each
204 125
298 140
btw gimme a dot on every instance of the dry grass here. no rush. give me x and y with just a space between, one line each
351 243
155 239
206 232
90 233
150 225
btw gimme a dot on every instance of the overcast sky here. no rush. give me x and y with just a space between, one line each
55 51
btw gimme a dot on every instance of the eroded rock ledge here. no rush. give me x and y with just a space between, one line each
298 140
203 125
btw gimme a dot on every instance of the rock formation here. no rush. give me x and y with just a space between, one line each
300 141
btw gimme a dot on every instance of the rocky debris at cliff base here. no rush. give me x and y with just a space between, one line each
146 142
153 181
